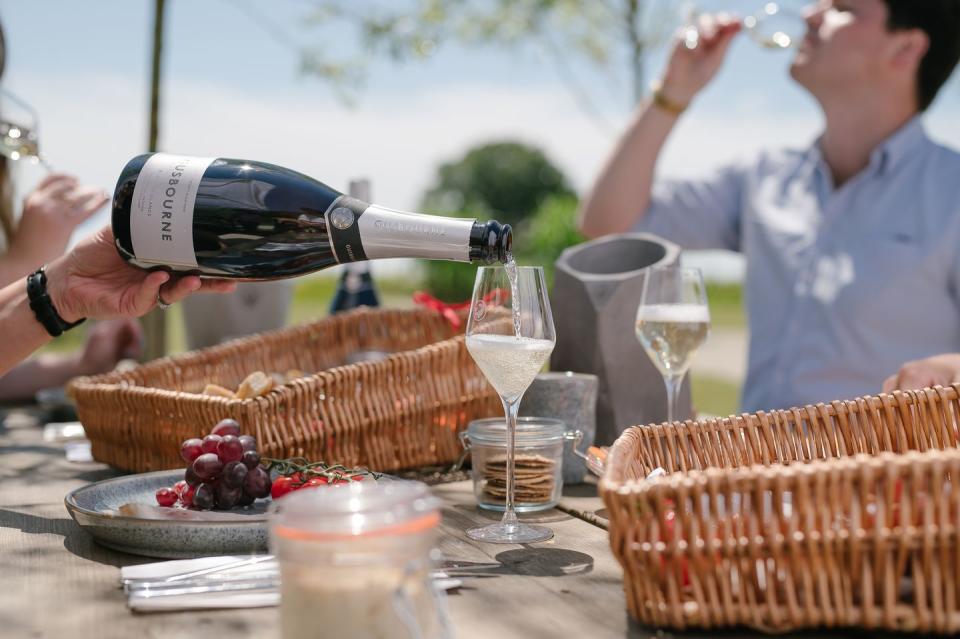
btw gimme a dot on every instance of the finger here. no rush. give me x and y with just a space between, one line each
61 187
85 209
725 37
890 384
146 295
218 286
915 380
54 178
179 288
79 195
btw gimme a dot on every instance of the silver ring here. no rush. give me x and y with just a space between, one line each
161 304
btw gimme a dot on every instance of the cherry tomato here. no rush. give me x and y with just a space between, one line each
282 486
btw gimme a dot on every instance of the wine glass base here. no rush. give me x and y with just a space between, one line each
510 534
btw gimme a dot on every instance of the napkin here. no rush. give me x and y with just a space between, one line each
214 569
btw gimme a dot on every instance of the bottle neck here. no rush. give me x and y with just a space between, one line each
360 231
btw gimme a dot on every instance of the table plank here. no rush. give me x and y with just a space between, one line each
568 586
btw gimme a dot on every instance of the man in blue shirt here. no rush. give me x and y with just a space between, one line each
853 244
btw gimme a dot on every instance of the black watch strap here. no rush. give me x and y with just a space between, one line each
42 305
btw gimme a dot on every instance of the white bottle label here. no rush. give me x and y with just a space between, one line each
161 214
388 233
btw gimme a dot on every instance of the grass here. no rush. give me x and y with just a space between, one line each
726 305
714 396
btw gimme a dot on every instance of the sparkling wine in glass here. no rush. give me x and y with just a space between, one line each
19 139
772 27
673 321
510 335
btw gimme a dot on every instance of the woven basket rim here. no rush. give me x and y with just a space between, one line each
128 380
692 479
613 482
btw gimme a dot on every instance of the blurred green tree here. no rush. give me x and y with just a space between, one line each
503 180
514 184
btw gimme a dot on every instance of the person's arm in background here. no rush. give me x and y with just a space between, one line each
939 370
50 214
622 192
91 281
106 344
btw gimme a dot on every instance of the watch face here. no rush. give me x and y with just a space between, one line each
342 218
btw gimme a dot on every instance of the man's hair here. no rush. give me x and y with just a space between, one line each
940 20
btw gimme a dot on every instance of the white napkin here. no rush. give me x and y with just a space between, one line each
206 601
161 570
212 567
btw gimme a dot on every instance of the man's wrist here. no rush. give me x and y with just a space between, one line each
666 101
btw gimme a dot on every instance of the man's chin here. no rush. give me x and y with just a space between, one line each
800 68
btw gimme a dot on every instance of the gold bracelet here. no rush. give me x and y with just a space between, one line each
666 104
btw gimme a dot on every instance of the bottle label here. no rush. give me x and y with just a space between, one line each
388 233
161 214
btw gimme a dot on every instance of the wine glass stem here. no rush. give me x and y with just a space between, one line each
511 410
673 384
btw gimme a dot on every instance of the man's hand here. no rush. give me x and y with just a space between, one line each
940 370
93 281
697 57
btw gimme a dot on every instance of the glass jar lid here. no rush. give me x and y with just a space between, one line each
382 507
531 431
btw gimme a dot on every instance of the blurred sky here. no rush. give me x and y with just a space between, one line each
233 88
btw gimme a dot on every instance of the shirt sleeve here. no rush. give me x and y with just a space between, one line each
698 214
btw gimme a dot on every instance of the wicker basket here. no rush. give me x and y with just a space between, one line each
794 519
401 412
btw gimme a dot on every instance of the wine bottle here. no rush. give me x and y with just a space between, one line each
252 220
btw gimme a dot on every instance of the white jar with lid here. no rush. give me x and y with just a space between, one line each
355 561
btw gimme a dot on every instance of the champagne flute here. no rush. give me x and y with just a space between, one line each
19 138
510 335
673 321
772 27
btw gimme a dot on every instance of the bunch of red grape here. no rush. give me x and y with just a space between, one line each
223 471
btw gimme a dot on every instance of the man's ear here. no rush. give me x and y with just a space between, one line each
908 48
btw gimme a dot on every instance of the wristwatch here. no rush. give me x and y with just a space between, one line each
43 307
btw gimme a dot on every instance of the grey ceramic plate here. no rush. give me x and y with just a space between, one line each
94 508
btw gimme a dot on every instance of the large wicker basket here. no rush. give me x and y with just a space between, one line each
795 518
401 412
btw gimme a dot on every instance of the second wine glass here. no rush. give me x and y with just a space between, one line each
673 321
510 335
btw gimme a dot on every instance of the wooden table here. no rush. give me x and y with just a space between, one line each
56 582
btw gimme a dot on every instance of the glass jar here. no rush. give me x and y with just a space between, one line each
537 463
355 561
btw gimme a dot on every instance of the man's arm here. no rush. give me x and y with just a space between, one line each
621 194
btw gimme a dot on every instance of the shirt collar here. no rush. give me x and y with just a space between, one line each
888 154
899 145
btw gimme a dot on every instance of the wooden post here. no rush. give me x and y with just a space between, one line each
155 322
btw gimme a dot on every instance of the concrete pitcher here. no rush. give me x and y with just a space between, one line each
596 292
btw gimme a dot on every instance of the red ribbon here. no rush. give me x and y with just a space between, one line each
450 311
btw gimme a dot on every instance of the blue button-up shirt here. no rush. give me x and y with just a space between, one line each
843 285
